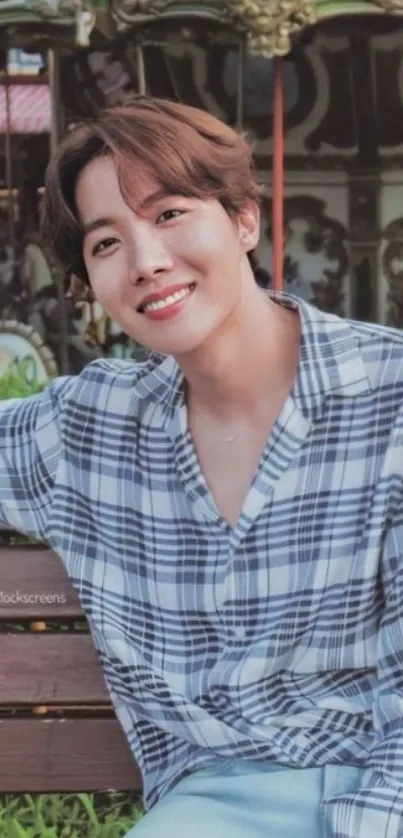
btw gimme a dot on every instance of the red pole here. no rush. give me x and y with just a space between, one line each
278 175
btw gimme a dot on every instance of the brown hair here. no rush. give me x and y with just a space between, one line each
187 150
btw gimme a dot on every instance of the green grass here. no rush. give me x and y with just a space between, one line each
103 815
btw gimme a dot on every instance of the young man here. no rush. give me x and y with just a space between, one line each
230 512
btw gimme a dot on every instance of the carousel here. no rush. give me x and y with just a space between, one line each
316 84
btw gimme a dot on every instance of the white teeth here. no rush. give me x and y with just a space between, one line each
173 298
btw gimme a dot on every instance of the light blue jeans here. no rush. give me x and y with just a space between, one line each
248 800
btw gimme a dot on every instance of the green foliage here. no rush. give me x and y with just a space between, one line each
16 384
110 815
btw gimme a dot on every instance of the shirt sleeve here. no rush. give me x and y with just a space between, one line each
375 810
30 443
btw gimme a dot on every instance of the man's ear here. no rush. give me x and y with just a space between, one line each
248 221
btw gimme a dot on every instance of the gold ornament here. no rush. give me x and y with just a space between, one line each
270 26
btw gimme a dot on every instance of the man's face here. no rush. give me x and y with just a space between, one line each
170 270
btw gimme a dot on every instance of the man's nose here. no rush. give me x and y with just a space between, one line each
149 257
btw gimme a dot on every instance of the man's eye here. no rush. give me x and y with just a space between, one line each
103 245
168 215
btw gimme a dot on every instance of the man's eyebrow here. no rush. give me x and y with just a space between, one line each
151 199
95 225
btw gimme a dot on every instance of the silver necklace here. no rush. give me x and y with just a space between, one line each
228 440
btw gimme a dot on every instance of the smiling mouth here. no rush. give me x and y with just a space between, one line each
159 305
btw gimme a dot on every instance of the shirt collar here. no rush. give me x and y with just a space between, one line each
330 356
330 362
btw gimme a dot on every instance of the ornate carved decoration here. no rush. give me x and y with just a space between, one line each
132 8
390 5
316 258
24 354
53 9
147 7
78 13
200 74
271 25
129 13
392 264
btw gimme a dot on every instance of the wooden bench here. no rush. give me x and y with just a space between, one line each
58 732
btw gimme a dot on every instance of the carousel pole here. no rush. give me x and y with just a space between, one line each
54 86
240 84
9 163
278 175
141 70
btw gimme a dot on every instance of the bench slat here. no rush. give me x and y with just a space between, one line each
65 756
38 576
53 754
41 668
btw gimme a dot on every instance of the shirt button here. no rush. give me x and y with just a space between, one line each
240 632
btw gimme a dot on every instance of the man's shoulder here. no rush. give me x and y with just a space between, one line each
375 349
351 357
107 383
377 334
381 350
118 372
372 339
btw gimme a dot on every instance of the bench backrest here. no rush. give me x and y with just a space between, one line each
58 731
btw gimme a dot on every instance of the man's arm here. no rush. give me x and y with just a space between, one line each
376 809
29 455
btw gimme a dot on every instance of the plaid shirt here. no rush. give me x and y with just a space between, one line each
278 640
